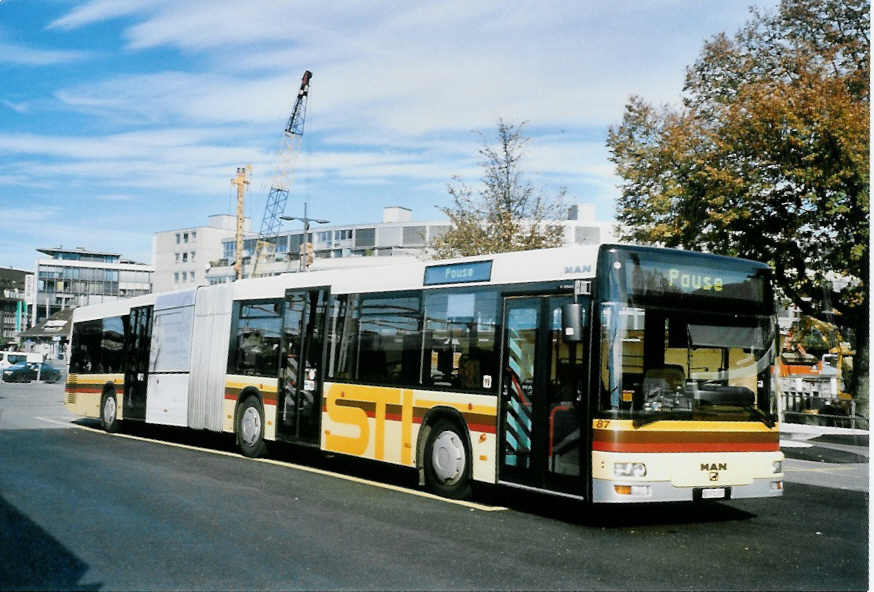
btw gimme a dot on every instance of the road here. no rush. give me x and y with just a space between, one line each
80 509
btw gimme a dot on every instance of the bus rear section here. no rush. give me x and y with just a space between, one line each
685 404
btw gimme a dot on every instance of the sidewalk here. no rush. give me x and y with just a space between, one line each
824 444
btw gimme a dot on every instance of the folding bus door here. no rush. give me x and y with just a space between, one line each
541 398
136 376
300 369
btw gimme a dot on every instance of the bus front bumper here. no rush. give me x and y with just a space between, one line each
609 491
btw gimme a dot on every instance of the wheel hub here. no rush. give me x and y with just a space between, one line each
109 410
251 426
447 457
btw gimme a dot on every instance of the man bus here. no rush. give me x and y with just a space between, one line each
606 374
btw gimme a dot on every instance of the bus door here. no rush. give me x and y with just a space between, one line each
300 366
136 375
542 398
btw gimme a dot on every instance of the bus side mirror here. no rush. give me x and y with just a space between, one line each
572 322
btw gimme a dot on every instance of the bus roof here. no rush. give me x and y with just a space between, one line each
542 265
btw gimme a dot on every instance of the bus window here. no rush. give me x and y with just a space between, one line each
256 339
390 339
112 345
460 333
376 338
85 347
343 336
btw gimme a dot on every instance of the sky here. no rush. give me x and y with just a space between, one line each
122 118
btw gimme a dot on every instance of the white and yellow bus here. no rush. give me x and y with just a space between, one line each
606 374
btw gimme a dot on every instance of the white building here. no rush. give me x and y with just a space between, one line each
205 254
68 278
182 256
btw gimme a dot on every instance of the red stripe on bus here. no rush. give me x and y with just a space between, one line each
685 446
265 400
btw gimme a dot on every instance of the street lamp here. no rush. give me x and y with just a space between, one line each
306 228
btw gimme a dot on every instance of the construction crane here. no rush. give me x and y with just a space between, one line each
241 180
292 137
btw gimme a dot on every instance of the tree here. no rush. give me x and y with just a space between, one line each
507 213
767 158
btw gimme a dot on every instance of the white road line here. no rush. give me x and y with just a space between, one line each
397 488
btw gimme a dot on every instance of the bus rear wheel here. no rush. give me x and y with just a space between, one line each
109 413
447 461
250 428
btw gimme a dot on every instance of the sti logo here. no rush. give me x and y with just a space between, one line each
578 269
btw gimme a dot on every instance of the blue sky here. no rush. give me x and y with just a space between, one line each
120 118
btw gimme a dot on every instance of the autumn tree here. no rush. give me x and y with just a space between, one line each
506 213
767 157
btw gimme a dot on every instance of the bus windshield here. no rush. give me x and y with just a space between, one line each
659 363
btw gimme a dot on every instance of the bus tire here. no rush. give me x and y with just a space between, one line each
109 412
447 461
250 428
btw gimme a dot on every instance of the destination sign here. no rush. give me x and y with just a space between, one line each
683 279
655 278
458 273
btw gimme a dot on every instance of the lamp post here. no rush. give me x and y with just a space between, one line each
306 230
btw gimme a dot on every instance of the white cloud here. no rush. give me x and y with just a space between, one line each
21 107
20 55
100 10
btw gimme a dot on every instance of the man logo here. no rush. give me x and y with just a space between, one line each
578 269
714 467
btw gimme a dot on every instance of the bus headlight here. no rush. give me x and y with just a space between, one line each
778 466
627 469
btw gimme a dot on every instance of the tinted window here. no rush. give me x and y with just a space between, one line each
255 341
85 347
460 339
112 345
390 339
376 338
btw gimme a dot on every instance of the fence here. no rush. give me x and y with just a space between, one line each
814 400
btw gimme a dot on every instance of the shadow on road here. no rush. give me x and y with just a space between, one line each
31 559
570 511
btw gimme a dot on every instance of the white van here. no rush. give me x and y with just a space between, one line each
10 358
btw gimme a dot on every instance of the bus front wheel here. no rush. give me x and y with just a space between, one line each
250 428
447 466
109 413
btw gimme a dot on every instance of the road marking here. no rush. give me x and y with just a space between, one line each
389 486
823 470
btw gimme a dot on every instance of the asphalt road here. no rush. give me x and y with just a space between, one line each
80 509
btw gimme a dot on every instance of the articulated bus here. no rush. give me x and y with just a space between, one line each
611 373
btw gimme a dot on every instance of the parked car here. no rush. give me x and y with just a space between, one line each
27 371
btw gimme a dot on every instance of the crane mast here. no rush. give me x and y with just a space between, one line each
292 137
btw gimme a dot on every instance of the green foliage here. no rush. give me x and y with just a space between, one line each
768 156
507 213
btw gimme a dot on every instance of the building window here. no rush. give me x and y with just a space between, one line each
324 236
193 236
185 237
343 234
192 255
178 257
176 277
184 257
184 276
365 237
192 276
414 235
178 237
